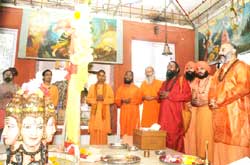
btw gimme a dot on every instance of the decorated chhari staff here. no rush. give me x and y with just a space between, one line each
80 56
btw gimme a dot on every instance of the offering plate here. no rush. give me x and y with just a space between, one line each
133 148
118 145
120 159
181 160
160 152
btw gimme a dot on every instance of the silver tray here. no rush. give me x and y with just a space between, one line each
120 159
160 152
118 146
181 160
133 148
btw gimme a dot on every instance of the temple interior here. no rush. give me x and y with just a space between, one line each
125 82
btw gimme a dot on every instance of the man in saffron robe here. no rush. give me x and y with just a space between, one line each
172 99
150 87
229 98
190 138
49 89
128 98
100 97
204 129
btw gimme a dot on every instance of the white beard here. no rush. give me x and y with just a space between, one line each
150 79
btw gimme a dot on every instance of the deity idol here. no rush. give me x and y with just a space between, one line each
11 130
29 126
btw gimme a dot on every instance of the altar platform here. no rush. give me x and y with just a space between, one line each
98 151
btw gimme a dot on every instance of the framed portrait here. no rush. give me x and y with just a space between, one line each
46 35
8 41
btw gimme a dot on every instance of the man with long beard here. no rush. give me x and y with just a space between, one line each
128 98
150 87
190 119
203 127
229 98
189 71
172 95
7 89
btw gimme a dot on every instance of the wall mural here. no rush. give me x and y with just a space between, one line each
46 35
232 24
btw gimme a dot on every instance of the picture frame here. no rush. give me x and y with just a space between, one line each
45 35
8 42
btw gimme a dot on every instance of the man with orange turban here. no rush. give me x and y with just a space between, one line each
189 71
229 98
204 130
189 112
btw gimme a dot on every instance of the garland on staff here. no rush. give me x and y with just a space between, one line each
81 55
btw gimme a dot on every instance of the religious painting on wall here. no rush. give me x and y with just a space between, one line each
231 25
46 35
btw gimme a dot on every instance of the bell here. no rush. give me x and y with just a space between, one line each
166 50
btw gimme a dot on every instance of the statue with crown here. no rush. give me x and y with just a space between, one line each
29 126
30 116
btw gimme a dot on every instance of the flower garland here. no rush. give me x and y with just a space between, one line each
81 55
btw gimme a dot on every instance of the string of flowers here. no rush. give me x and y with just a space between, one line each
81 55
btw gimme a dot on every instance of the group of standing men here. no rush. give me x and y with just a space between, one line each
219 106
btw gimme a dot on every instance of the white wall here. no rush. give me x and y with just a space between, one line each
144 54
245 57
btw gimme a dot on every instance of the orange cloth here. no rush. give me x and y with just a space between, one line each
98 137
189 64
151 108
204 129
129 117
225 154
190 135
204 132
204 65
99 126
2 117
231 120
52 92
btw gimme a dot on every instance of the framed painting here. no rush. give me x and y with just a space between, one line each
8 41
46 35
231 25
